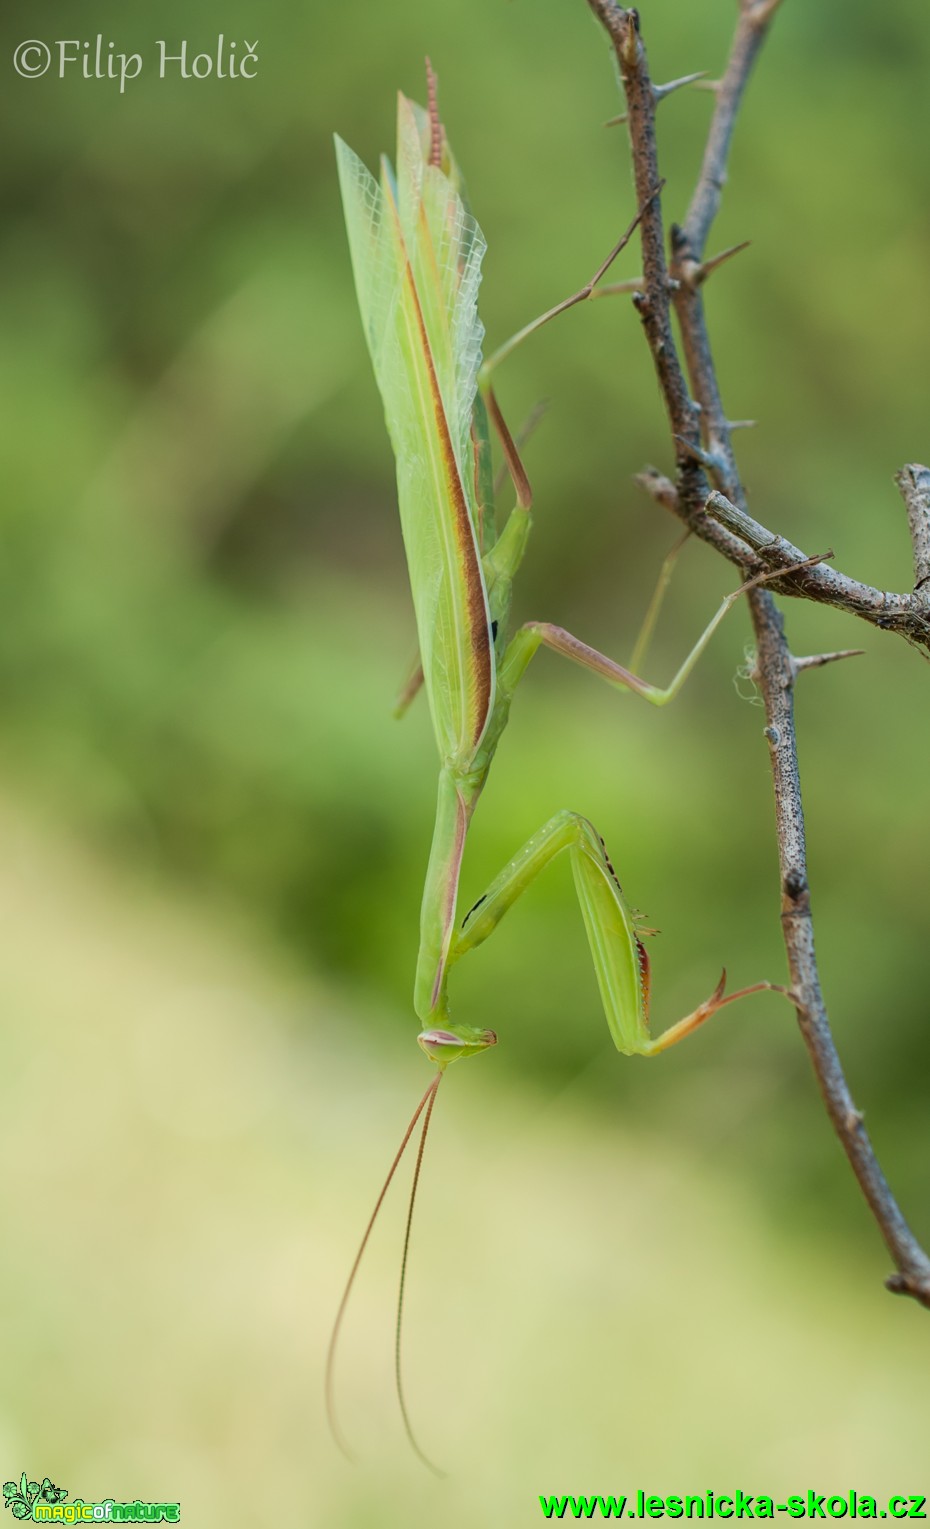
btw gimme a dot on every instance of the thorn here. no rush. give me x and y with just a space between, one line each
617 121
817 660
659 92
853 1119
717 260
694 273
613 288
707 459
657 486
742 424
712 85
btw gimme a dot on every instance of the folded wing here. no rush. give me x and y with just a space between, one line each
416 255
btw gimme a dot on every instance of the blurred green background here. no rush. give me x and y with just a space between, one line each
216 834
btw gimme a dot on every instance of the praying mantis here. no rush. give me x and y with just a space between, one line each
416 255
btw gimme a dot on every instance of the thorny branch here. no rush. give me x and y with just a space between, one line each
708 496
908 615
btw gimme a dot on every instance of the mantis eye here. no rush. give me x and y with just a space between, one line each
445 1046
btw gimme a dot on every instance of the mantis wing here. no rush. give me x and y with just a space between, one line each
416 255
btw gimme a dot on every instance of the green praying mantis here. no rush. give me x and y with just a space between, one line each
416 255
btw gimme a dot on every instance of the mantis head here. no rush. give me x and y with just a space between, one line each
445 1046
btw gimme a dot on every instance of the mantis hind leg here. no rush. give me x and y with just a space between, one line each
617 952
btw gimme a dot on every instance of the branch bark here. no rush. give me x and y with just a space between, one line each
709 496
907 614
914 483
700 429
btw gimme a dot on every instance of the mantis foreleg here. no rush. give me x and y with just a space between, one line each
619 957
458 794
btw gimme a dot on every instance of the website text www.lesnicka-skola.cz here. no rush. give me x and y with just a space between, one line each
737 1504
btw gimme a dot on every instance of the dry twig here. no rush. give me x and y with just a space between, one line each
709 497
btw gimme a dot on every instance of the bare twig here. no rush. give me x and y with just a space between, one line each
908 614
704 452
702 434
817 660
775 674
750 33
914 483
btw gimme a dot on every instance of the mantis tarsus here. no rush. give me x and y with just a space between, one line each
416 254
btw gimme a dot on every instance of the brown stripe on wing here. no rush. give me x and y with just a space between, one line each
479 637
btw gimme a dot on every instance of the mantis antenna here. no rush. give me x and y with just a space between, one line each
431 1093
427 1100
